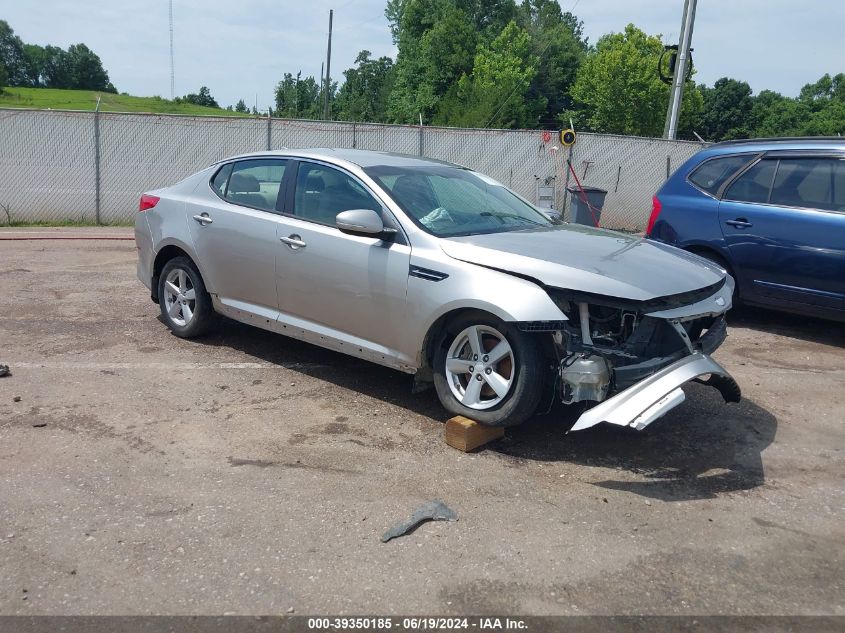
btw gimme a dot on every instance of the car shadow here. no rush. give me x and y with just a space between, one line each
796 326
698 450
702 448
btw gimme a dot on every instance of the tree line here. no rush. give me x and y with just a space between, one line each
508 64
34 66
495 63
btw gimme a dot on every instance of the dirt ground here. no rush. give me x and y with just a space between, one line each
250 473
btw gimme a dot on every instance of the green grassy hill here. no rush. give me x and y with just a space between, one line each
43 98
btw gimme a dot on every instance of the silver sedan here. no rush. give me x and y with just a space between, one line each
441 272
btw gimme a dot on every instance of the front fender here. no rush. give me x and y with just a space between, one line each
510 298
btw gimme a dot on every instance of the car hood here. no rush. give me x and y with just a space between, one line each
585 259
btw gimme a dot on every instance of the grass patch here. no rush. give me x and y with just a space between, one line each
55 99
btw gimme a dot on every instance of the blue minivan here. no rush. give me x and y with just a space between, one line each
771 212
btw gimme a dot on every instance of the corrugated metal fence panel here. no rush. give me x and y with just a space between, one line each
142 152
47 159
631 169
299 134
401 139
46 166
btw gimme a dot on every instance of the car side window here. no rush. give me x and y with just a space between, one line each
713 173
809 183
754 185
221 179
255 183
322 192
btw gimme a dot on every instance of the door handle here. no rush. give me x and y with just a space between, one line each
740 223
203 219
294 241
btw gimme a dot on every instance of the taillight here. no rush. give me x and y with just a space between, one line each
656 206
147 202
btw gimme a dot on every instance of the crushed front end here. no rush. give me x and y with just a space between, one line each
628 359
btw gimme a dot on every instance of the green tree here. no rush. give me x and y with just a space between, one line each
34 58
364 94
86 69
4 76
557 41
437 43
12 56
202 98
496 93
240 106
727 110
618 91
298 98
56 70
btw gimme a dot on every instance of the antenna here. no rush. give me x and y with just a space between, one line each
172 72
327 103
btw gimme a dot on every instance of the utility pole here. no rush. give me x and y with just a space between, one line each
681 69
172 72
327 105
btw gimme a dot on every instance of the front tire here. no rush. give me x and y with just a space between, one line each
185 304
488 370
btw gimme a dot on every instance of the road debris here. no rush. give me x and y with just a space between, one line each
430 511
4 370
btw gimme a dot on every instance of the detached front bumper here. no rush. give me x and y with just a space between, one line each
642 403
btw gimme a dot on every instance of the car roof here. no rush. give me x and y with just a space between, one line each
359 157
779 143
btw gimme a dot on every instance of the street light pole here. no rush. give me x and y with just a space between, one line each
670 131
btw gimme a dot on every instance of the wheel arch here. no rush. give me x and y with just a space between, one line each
164 255
708 251
434 334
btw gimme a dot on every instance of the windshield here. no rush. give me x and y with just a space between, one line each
449 201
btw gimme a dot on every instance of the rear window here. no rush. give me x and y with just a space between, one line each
813 183
713 173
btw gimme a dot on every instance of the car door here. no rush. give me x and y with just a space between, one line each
350 287
234 231
783 221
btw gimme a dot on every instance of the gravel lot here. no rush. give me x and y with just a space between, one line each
250 473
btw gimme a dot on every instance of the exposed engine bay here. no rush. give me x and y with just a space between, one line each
607 346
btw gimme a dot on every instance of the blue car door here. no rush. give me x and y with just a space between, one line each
783 221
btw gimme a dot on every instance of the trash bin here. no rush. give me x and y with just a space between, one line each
579 211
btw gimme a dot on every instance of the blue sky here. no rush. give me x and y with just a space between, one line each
241 49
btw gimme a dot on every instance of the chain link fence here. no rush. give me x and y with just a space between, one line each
61 166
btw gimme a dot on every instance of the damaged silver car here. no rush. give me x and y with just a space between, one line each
440 272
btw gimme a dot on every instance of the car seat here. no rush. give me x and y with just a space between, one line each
245 189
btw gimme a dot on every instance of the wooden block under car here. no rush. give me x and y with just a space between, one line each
467 435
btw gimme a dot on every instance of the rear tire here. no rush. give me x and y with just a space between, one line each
185 304
488 370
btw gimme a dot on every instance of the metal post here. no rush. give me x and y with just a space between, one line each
354 135
172 71
670 131
421 135
566 205
269 132
327 102
97 162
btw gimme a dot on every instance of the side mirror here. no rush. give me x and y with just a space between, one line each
553 215
361 222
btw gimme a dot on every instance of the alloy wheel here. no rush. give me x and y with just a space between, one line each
179 297
480 367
